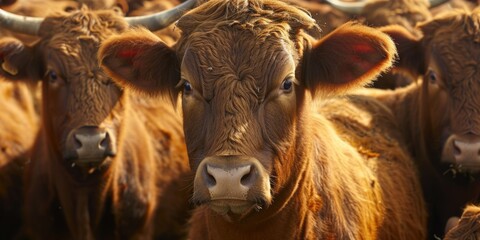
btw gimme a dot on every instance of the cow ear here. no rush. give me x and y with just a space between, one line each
410 51
18 61
349 57
139 60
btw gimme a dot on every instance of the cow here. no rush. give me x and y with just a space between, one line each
18 127
267 163
378 13
438 114
105 164
467 227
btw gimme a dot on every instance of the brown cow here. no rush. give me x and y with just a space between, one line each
439 115
105 164
18 127
268 166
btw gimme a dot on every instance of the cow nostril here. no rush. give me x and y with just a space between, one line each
105 141
210 180
456 150
77 144
248 178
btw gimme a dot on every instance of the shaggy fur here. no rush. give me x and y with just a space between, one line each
139 193
443 102
468 227
406 13
333 174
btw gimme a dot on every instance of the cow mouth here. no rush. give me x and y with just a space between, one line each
470 170
87 166
233 209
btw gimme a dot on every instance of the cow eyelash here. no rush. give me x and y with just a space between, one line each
52 76
432 77
287 84
186 85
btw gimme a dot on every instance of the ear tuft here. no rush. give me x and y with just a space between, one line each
410 50
351 56
139 60
17 61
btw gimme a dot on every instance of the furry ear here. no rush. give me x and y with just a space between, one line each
139 60
349 57
410 51
17 61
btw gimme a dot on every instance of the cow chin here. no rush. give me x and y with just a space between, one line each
233 210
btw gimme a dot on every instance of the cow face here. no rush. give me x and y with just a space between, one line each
454 87
244 82
447 57
81 105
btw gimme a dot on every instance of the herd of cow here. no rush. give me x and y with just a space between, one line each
244 119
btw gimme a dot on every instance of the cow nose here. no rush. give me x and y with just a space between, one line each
463 149
223 180
231 178
91 145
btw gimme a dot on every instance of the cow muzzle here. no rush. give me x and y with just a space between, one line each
463 151
232 186
88 146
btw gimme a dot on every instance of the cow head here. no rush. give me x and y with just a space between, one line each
81 105
246 72
447 57
82 108
406 13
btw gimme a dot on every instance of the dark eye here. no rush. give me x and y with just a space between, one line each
52 76
432 77
287 84
187 87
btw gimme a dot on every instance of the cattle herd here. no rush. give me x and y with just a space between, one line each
240 119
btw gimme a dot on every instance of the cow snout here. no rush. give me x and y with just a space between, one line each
463 150
89 146
232 184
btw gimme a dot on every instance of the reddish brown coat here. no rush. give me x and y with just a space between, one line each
333 172
441 109
138 193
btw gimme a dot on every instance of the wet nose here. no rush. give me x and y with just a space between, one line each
91 145
223 180
231 178
463 149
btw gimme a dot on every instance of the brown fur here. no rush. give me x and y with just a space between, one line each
468 228
431 110
139 193
329 178
406 13
18 126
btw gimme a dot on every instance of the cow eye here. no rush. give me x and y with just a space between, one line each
432 77
187 87
52 76
287 84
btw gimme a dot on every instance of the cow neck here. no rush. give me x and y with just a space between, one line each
293 213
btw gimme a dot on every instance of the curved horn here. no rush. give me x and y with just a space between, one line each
348 7
162 19
20 24
434 3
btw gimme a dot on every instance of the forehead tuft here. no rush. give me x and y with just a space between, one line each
246 14
453 26
84 24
